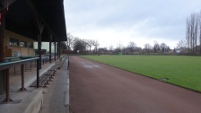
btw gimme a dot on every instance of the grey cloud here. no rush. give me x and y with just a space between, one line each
164 18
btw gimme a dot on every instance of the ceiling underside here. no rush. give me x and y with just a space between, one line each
21 19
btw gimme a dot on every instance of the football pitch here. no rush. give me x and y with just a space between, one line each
183 71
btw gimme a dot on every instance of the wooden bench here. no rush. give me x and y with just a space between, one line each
51 74
43 81
59 65
61 62
46 77
53 69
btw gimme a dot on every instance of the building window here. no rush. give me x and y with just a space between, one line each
30 45
23 44
14 42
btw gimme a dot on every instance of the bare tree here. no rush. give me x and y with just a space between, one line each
147 48
79 44
90 43
182 46
199 32
164 47
195 33
188 36
70 41
131 46
119 46
111 48
76 43
96 44
192 30
156 47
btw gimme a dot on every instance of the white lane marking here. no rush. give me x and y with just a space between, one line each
89 65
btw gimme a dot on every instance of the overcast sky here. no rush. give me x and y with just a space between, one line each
111 22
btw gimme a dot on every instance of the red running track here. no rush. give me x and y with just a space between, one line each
98 88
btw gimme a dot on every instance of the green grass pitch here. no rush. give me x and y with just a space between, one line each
184 71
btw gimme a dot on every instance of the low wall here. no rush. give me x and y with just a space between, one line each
30 104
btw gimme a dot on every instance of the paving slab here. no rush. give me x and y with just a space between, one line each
56 96
28 101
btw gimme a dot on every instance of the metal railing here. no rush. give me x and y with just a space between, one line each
4 66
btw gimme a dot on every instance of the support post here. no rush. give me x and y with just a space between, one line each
22 78
37 71
55 44
39 24
2 37
39 50
50 48
7 99
2 56
59 49
2 82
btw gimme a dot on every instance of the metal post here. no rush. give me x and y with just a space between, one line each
50 49
2 37
37 70
2 56
7 86
39 50
50 52
59 49
55 44
68 63
22 78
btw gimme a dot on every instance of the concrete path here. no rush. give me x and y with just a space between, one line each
56 94
23 97
98 88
